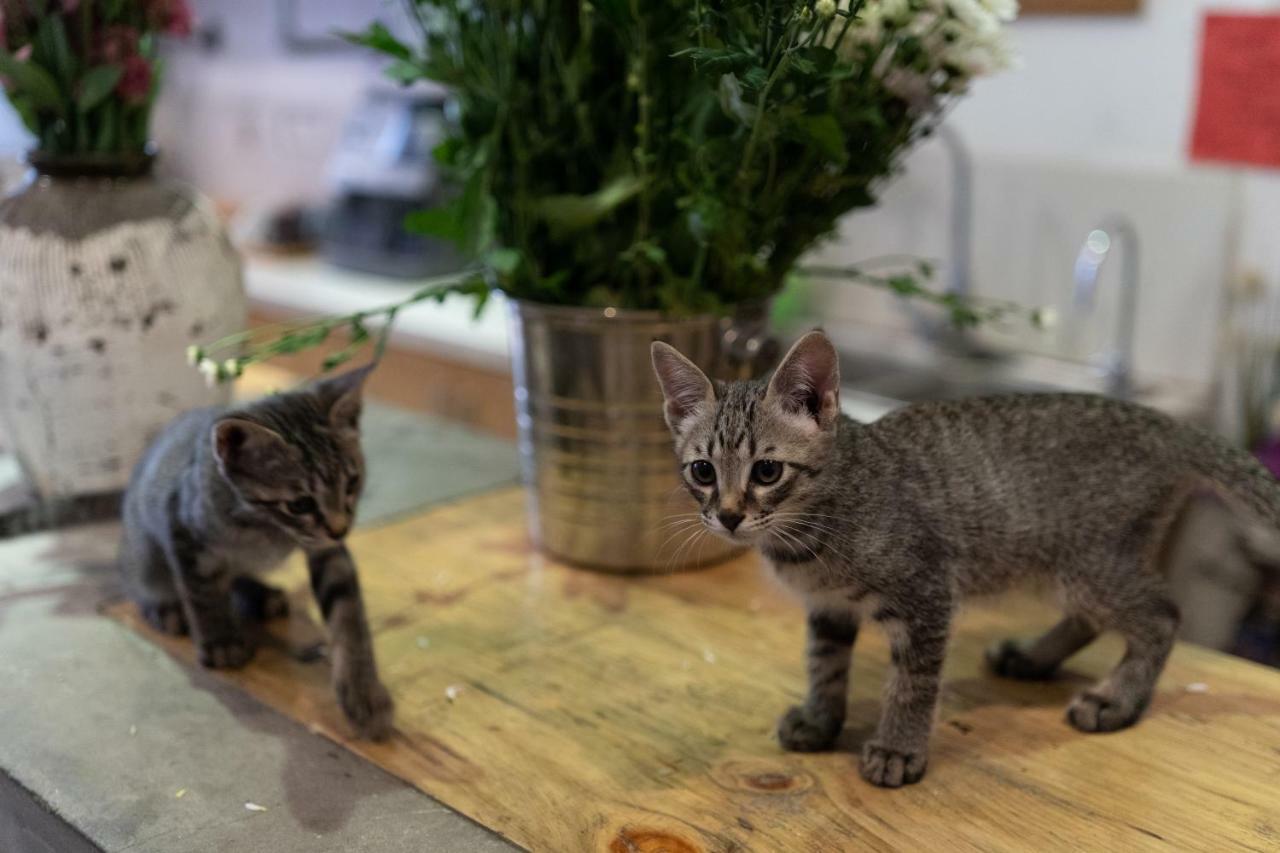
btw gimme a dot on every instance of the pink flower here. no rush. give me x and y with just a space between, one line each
180 21
70 6
135 83
23 53
116 43
172 16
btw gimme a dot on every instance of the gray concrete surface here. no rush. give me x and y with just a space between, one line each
102 729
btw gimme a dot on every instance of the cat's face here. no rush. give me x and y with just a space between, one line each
295 458
750 452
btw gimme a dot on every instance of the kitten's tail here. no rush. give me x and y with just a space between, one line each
46 515
1247 482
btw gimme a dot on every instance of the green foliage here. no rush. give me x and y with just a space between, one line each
83 76
670 154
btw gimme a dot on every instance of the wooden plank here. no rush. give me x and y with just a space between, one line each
1081 7
593 712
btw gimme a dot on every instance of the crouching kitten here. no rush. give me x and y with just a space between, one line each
902 518
223 494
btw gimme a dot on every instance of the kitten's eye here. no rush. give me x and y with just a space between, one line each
704 473
766 472
302 506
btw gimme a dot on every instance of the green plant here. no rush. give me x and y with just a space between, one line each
678 155
83 74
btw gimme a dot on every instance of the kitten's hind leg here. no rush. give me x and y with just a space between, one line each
255 601
1119 700
1040 658
149 582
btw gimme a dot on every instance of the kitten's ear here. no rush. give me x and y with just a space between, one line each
807 382
244 447
342 396
686 388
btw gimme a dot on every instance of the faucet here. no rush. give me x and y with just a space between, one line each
960 269
1117 364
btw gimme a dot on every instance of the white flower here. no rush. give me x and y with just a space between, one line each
825 8
974 15
895 10
1046 317
209 368
870 24
194 354
978 54
1004 10
231 367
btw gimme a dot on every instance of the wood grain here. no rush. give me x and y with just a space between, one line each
1080 7
593 712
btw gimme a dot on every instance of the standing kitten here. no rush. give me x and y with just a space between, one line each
223 494
904 517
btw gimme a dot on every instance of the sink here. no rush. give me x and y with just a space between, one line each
872 385
913 384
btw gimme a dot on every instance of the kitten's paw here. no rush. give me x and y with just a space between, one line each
368 707
804 730
1008 660
1092 713
891 768
165 616
229 653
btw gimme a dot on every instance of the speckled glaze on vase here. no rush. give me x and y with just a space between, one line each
107 275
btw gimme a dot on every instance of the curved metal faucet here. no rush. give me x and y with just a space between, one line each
1097 247
960 263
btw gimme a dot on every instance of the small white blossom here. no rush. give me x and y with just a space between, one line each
895 10
209 368
825 8
231 368
1004 10
974 15
194 354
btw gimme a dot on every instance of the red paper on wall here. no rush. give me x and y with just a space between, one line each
1238 114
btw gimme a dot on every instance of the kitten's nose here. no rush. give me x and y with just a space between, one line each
730 520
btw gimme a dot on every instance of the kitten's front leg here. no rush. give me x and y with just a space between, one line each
355 674
204 586
899 751
815 725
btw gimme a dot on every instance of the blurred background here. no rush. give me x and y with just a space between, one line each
1068 183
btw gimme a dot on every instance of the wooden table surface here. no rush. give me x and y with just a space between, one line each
573 711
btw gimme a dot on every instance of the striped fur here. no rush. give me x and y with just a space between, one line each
224 494
903 518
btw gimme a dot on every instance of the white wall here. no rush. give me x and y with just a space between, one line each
1095 123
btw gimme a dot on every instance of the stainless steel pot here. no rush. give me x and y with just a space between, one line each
596 456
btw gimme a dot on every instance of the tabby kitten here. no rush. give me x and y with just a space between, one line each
902 518
225 493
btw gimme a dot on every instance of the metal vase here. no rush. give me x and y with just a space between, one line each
596 455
